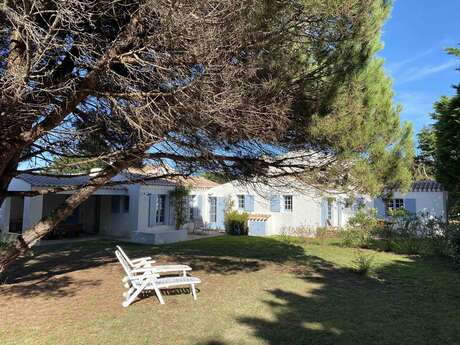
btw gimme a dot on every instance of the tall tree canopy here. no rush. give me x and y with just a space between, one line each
226 86
447 143
424 165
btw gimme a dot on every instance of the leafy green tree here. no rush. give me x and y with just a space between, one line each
235 88
364 126
424 164
216 177
447 154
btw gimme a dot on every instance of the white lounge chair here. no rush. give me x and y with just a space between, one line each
148 262
142 279
138 262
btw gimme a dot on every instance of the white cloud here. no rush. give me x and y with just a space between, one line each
394 67
417 73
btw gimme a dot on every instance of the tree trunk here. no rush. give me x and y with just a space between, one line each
23 243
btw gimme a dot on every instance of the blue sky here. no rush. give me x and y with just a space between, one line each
415 37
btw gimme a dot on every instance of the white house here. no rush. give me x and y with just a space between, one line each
274 210
136 212
424 196
144 213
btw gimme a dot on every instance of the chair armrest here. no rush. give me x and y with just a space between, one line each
143 270
147 258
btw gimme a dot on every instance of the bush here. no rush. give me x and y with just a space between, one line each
453 239
300 232
324 233
362 263
420 234
236 223
361 229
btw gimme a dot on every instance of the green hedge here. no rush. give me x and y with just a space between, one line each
236 223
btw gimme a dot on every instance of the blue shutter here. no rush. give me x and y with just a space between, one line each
380 206
249 203
410 205
220 212
275 203
167 209
323 212
152 209
340 205
198 208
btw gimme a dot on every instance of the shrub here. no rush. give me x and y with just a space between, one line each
453 239
301 231
179 198
360 229
236 223
323 233
362 263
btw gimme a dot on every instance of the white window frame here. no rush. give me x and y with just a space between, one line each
212 209
288 203
241 201
398 203
393 204
161 209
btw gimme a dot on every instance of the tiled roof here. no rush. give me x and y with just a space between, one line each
150 171
198 182
52 181
147 179
426 186
36 180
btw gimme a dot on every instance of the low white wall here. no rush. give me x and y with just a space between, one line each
159 238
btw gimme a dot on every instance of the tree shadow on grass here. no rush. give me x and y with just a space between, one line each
45 272
49 287
406 302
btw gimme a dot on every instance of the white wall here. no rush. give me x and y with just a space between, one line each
114 224
33 210
5 215
435 203
306 208
143 209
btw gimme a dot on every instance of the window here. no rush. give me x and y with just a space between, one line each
329 209
212 209
399 203
191 205
125 204
393 204
161 205
288 203
241 204
115 204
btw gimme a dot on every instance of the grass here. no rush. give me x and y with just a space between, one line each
254 291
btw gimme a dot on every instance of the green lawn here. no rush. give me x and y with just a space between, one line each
254 291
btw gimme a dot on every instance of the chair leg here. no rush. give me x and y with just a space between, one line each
160 297
184 273
127 293
136 293
194 292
